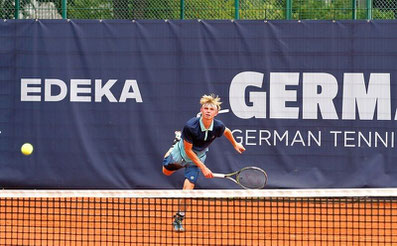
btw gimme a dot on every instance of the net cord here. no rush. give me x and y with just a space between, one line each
204 193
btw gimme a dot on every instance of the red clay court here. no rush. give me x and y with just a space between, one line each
117 220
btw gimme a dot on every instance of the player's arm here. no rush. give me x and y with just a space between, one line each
189 152
237 146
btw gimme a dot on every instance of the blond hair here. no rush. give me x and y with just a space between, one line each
211 99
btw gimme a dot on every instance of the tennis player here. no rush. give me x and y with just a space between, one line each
190 153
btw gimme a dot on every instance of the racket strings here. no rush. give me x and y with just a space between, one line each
252 178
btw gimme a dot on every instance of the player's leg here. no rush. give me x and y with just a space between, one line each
191 174
180 215
172 159
187 185
177 138
167 172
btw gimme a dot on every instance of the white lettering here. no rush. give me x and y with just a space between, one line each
253 137
249 136
264 138
75 90
48 96
239 138
312 136
313 100
298 139
335 133
279 95
362 138
237 89
56 90
280 139
379 137
355 94
104 91
25 90
347 138
351 139
319 90
135 94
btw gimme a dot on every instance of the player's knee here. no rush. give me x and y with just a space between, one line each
167 172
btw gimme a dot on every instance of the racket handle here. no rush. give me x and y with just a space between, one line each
219 175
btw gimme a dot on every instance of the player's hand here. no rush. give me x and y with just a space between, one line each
207 172
239 148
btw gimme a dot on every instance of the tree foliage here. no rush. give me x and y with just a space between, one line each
212 9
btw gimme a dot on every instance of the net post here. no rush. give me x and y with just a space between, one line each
182 10
64 9
288 10
17 7
236 9
369 9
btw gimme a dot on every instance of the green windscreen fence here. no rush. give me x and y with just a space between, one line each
199 9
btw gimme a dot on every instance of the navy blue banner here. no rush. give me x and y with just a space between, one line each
313 102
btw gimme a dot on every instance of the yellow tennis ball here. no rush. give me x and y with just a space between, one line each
27 149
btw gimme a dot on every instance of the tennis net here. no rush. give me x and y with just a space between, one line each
212 217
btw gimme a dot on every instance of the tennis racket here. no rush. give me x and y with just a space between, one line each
247 177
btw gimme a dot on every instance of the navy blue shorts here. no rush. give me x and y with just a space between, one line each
174 161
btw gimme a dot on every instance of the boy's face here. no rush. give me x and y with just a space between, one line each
209 111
